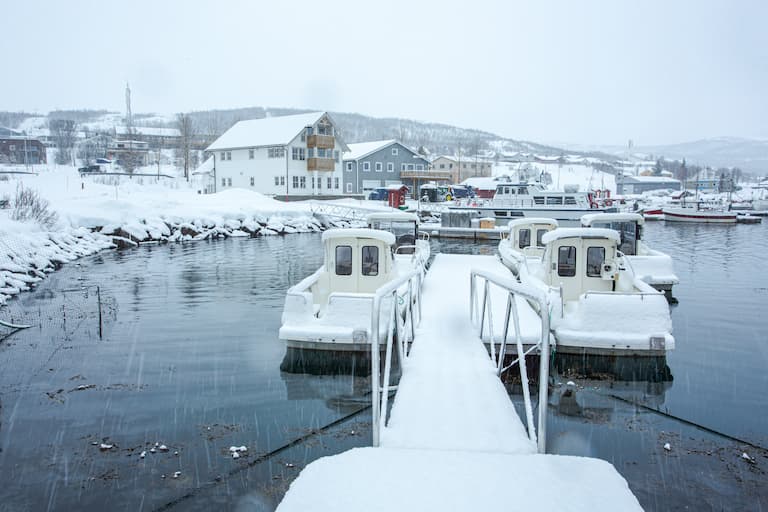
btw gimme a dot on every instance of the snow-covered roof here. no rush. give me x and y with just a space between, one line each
590 218
652 179
269 131
393 216
362 149
531 221
561 233
385 236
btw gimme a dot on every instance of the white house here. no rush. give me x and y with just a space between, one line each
289 156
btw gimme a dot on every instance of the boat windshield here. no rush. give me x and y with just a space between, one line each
627 231
404 231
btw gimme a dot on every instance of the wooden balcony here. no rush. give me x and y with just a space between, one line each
320 141
426 175
321 164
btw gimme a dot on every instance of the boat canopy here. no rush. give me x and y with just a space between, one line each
385 236
593 218
532 220
560 233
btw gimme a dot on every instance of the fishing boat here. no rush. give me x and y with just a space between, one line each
524 241
699 215
409 241
515 200
597 303
652 266
326 321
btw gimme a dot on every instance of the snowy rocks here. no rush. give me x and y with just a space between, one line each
668 447
238 451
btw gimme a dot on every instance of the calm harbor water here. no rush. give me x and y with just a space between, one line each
189 358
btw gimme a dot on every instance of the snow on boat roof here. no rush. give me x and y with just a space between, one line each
560 233
591 218
394 216
532 220
385 236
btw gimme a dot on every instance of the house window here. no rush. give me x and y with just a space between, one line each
595 259
336 156
390 167
450 166
419 167
277 181
336 183
303 182
297 154
253 181
223 154
229 182
524 238
442 166
295 182
349 188
378 167
229 155
313 182
276 152
250 154
566 261
282 180
410 167
343 260
402 167
223 182
370 260
330 182
366 166
311 153
349 166
394 151
319 182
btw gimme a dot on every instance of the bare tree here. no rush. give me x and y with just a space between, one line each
186 136
64 132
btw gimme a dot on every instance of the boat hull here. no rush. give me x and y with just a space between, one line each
698 216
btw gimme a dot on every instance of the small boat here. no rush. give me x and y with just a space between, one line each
597 303
653 213
409 241
515 200
652 266
524 241
326 321
699 215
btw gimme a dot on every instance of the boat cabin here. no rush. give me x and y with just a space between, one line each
581 260
628 225
534 194
526 234
356 260
405 227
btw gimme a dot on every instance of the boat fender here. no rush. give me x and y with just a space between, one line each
608 202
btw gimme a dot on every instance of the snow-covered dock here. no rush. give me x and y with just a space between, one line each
454 440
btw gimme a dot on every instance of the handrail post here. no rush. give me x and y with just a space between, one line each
375 397
543 379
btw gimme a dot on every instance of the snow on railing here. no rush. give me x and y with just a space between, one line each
482 317
401 320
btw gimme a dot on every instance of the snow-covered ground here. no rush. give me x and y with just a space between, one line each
95 212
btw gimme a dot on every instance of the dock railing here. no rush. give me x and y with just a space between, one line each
398 304
482 318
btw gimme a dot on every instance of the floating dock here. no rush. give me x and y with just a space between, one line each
454 440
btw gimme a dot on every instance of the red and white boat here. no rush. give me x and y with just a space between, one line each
695 215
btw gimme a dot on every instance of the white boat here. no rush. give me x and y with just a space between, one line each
698 215
652 266
524 241
598 305
515 200
326 321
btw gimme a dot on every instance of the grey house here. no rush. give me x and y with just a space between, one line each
369 165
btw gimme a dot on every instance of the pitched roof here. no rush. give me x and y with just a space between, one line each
269 131
362 149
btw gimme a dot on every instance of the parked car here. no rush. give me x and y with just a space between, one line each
89 169
378 194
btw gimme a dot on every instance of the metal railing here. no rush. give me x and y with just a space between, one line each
400 302
482 318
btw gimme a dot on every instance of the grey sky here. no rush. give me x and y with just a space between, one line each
595 72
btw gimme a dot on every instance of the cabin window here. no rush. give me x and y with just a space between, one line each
370 257
343 260
570 200
595 259
539 236
538 199
524 238
566 261
522 191
554 200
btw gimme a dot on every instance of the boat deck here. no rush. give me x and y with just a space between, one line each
454 440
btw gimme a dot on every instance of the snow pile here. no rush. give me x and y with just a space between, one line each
28 252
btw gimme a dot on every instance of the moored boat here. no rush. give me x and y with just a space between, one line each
524 241
698 215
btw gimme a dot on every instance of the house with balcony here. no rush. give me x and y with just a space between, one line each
463 167
369 165
288 157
